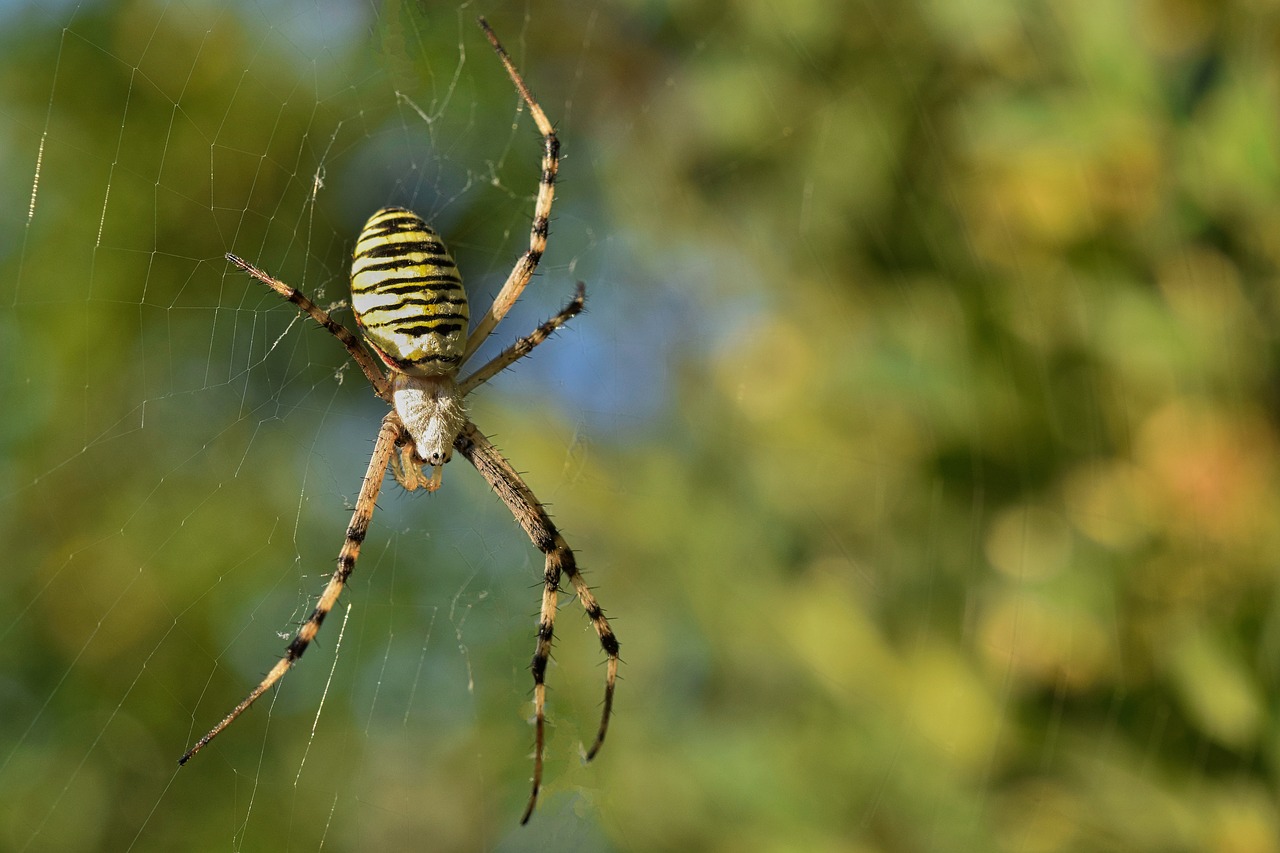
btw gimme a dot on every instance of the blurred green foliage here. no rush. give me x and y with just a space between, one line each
921 439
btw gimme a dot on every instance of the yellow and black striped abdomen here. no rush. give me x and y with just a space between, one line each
407 296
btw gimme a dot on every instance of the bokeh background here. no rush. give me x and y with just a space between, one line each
921 437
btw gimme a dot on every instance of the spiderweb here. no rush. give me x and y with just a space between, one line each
919 436
209 443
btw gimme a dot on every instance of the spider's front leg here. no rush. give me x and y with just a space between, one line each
356 530
559 560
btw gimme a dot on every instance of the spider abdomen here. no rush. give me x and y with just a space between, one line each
407 296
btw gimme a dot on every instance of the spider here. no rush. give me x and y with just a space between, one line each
409 302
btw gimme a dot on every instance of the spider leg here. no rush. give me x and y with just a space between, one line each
365 504
533 518
339 331
528 262
525 345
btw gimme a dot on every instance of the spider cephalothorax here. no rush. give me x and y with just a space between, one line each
409 302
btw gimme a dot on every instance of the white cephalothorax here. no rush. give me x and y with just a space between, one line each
433 413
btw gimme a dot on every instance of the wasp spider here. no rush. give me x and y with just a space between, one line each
409 303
